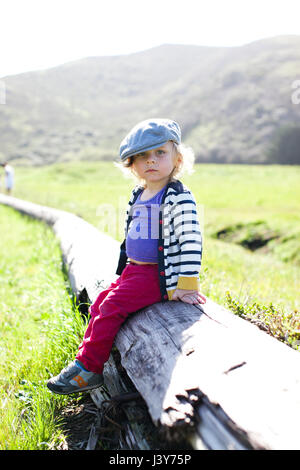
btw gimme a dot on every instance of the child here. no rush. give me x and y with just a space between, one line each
160 257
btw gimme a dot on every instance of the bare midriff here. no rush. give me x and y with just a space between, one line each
139 262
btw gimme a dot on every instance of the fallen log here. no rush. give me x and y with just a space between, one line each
204 373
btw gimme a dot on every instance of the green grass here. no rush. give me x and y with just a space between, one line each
226 195
285 327
40 329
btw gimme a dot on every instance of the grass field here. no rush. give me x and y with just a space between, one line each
39 328
226 195
39 325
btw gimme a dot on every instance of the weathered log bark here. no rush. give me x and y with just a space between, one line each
177 352
202 371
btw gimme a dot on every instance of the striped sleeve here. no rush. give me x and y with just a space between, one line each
187 232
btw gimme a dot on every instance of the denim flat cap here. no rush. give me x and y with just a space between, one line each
148 135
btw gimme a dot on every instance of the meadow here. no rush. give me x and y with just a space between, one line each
259 199
40 325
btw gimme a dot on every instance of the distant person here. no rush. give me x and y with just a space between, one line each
160 258
8 177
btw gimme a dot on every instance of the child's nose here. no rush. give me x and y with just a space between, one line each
151 157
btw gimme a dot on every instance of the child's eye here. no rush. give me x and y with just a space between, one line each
139 155
160 152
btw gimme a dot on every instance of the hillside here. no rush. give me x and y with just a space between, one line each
230 102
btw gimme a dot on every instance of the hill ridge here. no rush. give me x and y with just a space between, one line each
232 102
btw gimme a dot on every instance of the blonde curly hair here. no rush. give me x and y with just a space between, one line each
186 164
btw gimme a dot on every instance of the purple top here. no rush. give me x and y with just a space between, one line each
143 233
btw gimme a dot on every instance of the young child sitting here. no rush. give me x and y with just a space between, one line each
160 257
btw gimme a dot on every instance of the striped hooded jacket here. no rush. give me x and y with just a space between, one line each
179 243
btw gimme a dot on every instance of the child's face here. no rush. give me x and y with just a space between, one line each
156 165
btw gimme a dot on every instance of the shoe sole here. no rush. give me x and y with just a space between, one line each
53 389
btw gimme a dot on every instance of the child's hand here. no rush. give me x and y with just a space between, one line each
189 296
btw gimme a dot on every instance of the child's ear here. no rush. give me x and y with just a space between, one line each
179 160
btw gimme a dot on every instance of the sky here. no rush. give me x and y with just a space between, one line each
39 34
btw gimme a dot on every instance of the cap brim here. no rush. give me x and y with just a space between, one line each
144 149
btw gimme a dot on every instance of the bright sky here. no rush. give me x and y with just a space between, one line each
38 34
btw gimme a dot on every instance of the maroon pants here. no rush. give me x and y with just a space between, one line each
136 288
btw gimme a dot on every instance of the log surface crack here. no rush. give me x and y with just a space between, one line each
237 366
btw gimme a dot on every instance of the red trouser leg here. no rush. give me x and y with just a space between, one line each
94 309
136 288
